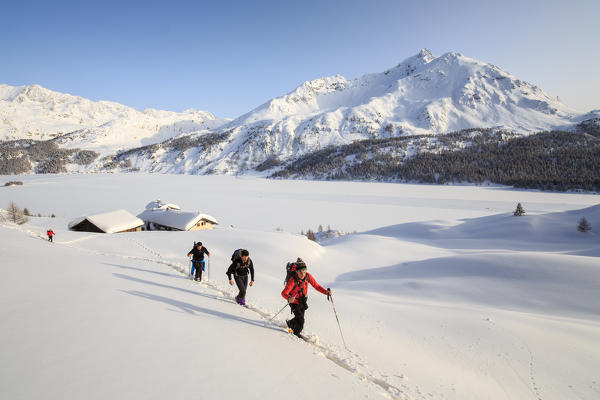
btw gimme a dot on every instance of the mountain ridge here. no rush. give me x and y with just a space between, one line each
422 95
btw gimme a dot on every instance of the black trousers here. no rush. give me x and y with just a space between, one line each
297 323
198 269
242 283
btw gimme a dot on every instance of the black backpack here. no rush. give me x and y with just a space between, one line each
237 255
290 269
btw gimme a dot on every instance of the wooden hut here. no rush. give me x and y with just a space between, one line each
176 220
109 222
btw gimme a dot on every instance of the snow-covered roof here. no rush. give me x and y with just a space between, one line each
182 220
160 205
111 222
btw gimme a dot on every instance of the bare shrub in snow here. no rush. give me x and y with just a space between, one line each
15 214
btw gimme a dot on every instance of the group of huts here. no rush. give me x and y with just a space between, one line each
157 216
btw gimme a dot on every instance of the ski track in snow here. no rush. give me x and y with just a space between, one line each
351 363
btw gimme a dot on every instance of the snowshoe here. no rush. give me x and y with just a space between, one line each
289 327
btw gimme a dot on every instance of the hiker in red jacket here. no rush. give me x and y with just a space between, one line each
50 234
295 292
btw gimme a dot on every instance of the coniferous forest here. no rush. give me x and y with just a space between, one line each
554 160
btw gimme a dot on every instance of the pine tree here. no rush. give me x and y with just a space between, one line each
311 235
584 225
320 228
519 211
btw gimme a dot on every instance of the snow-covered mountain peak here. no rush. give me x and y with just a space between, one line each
423 94
426 55
411 64
320 86
34 112
20 94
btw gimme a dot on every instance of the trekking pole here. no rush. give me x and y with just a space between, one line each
278 313
330 298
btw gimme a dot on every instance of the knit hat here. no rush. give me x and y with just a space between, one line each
300 264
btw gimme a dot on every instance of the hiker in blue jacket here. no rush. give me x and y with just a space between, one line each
197 254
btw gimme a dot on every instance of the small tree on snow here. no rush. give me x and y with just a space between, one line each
311 235
519 211
15 214
584 225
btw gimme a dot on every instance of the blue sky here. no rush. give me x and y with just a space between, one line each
230 57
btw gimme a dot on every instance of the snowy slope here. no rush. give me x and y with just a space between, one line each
33 112
442 294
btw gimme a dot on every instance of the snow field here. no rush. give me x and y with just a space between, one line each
470 304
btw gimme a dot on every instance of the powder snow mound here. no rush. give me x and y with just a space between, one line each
527 232
506 272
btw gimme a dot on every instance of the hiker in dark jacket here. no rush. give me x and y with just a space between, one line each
295 292
197 254
239 268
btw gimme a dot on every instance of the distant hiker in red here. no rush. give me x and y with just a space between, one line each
295 292
50 234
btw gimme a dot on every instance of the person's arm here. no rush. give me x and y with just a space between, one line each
190 253
206 251
251 268
229 272
285 293
318 287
